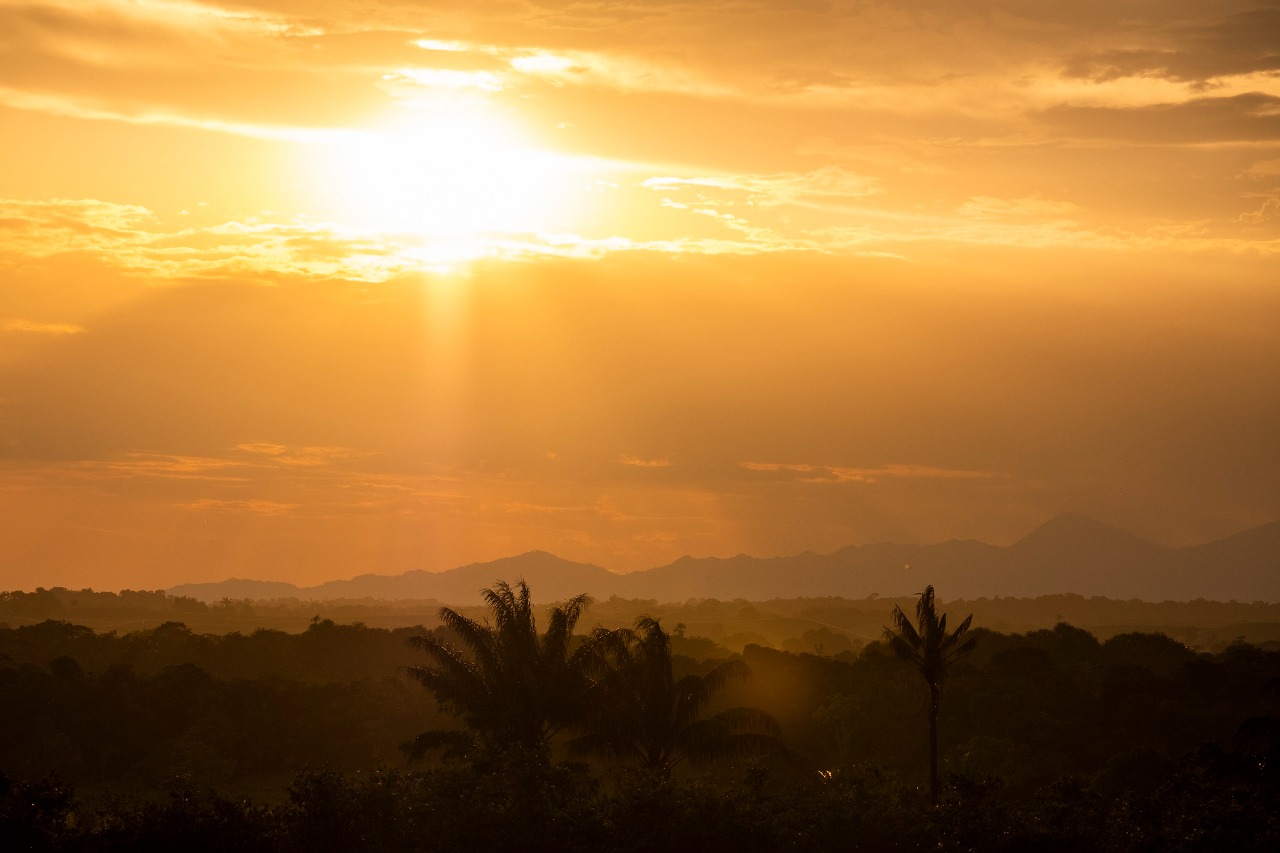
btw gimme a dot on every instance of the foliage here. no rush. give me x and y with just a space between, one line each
1054 741
932 651
639 710
1211 801
926 644
512 687
119 728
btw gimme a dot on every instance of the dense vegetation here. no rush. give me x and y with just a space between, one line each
1049 739
817 625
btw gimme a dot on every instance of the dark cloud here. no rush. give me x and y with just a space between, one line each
1190 50
1253 117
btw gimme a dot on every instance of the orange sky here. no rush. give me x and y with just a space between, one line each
302 290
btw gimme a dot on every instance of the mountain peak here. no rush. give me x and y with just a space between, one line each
1073 526
1075 535
1070 552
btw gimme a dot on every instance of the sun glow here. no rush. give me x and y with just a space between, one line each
458 174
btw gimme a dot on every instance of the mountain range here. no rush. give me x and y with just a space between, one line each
1070 553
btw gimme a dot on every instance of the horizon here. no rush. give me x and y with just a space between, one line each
290 290
189 587
683 557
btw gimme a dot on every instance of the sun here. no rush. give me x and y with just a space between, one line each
455 173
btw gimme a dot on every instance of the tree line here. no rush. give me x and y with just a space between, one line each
825 626
616 690
1049 739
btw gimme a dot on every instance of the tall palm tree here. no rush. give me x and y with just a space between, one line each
932 651
639 711
512 687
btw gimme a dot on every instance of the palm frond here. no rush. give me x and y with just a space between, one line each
927 644
445 659
962 651
511 687
702 741
903 647
740 720
690 695
925 612
592 743
734 669
641 710
454 744
752 745
903 627
477 637
954 636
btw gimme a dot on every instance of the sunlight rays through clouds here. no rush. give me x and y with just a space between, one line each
387 285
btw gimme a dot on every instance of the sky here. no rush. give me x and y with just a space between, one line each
299 291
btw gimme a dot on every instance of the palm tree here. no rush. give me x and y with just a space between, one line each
932 651
640 711
512 688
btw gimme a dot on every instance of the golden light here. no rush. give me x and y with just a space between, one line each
458 171
542 63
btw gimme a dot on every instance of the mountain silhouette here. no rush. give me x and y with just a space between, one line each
1075 553
552 578
1079 536
1243 567
1070 553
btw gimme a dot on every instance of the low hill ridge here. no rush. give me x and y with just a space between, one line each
1069 553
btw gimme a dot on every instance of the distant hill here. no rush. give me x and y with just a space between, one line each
1243 567
549 576
1070 553
1075 553
853 572
237 589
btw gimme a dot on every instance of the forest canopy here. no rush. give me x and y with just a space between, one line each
1113 737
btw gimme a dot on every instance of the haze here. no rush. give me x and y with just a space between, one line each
297 291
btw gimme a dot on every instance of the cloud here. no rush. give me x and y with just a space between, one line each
448 78
600 510
438 44
1268 212
838 474
827 210
84 218
637 462
544 63
903 106
993 400
1263 169
161 62
298 456
260 68
256 507
1080 197
1242 118
1188 49
986 207
133 237
160 465
92 109
265 449
43 328
896 157
823 187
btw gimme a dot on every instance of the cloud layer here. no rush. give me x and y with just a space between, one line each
301 290
843 127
